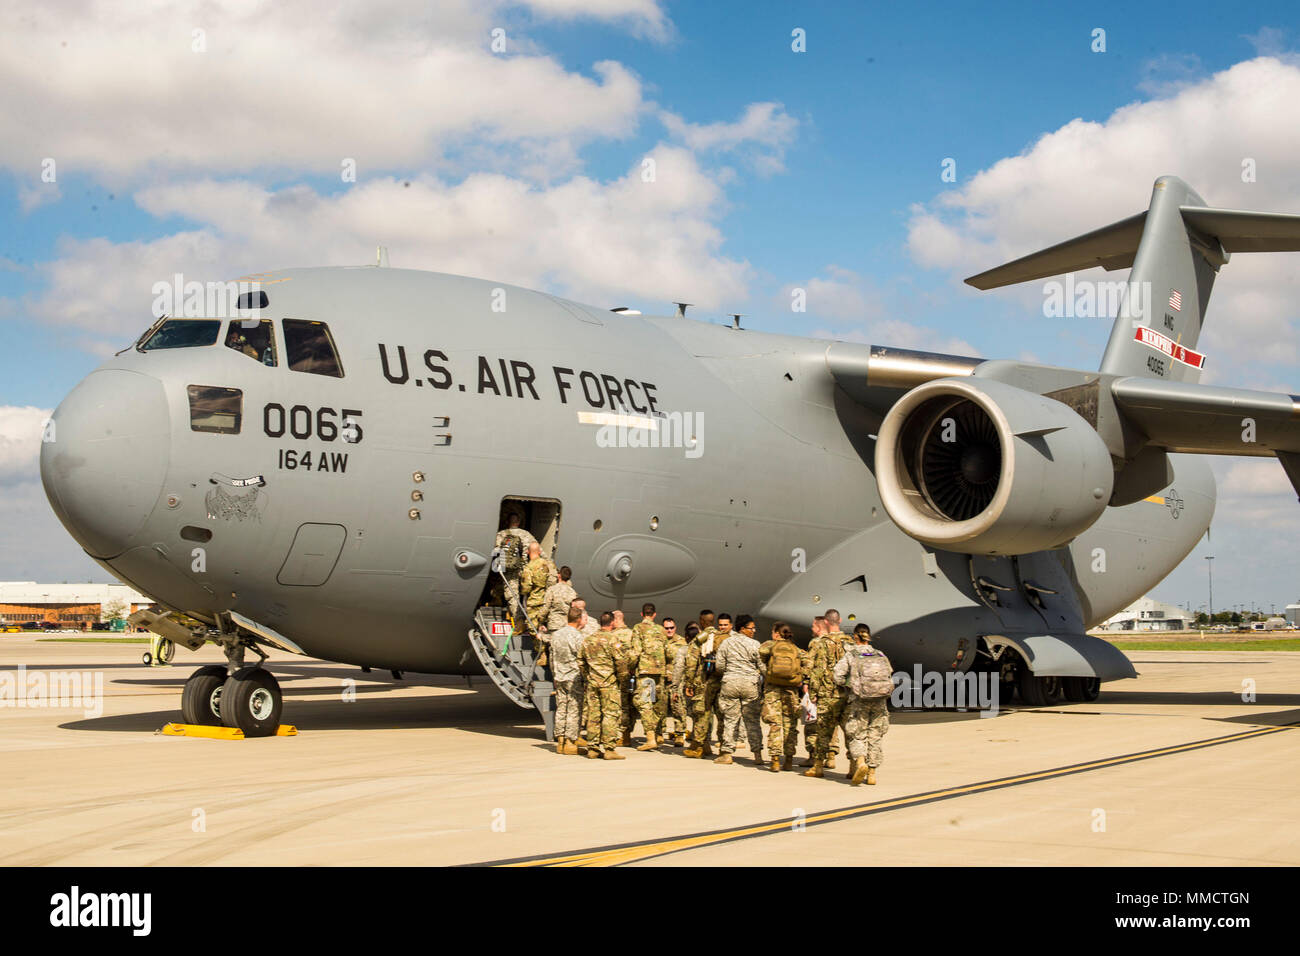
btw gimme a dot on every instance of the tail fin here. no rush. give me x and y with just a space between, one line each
1175 249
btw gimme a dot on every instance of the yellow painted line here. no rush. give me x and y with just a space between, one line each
616 855
1155 499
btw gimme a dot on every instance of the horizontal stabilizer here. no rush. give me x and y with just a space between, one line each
1241 231
1111 247
1114 246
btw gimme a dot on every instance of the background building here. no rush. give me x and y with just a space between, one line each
1293 614
69 605
1148 614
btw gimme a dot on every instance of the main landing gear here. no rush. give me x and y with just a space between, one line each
1049 691
246 697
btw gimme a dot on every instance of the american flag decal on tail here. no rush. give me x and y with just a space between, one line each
1175 300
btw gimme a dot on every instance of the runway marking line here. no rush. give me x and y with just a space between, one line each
618 854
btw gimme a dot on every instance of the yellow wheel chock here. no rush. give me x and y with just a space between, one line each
219 733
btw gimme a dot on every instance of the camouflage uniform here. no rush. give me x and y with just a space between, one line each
602 656
555 605
866 719
566 645
696 686
649 664
781 710
624 636
738 699
510 587
810 729
821 685
532 587
674 651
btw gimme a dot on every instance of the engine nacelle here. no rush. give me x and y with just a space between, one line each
982 467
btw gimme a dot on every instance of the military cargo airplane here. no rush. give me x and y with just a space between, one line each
324 473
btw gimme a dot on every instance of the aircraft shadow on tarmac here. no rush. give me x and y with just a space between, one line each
480 710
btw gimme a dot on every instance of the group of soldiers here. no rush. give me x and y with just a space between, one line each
711 680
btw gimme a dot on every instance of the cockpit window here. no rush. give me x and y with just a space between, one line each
215 409
182 334
254 338
309 347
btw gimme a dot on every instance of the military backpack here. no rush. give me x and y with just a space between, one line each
870 673
783 668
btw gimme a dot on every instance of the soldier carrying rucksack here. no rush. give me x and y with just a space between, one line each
785 673
866 674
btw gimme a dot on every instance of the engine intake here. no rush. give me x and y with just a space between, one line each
982 467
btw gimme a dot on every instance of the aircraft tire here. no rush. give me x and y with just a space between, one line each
251 700
1081 690
201 698
146 658
1038 691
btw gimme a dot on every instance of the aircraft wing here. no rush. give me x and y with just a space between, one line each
1209 420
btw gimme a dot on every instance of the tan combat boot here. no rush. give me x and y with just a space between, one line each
775 766
860 772
871 776
651 742
830 762
593 753
612 754
786 764
570 747
560 744
582 741
693 752
816 770
724 759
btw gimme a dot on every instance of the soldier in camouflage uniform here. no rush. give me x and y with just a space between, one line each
624 635
670 705
781 695
511 536
824 691
556 603
602 657
588 627
649 664
533 584
810 727
700 683
738 695
866 719
566 647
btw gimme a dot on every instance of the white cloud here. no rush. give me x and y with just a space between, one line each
1088 174
642 17
763 132
119 90
21 427
596 241
32 197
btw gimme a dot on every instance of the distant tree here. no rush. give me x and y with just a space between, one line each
115 609
1202 619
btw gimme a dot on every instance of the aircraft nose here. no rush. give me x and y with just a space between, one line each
104 458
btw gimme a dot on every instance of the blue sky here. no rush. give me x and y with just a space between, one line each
835 188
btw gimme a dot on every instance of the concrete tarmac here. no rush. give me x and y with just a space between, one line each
430 771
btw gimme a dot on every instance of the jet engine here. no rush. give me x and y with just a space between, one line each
982 467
